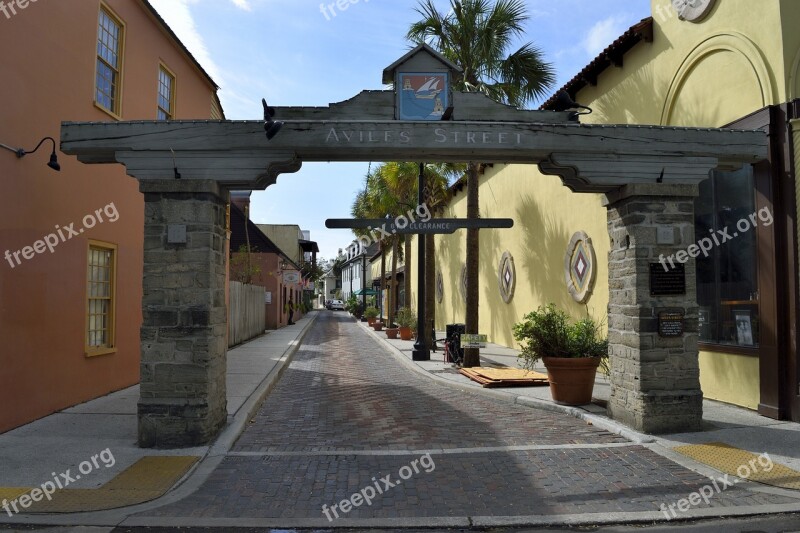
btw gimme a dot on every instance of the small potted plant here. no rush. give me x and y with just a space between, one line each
391 331
377 325
372 314
571 352
406 319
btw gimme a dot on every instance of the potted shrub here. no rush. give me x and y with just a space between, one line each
371 313
571 352
406 319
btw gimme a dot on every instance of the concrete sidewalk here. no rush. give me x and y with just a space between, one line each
36 453
736 426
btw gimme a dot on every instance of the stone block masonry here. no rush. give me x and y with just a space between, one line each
655 381
184 314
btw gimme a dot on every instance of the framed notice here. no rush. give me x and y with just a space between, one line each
268 298
291 277
744 327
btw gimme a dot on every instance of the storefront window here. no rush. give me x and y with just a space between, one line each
727 277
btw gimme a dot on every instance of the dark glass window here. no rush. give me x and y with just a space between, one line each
726 221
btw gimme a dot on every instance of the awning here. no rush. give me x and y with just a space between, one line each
369 292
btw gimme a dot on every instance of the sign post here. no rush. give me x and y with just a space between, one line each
433 226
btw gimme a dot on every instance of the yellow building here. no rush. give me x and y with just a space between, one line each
711 67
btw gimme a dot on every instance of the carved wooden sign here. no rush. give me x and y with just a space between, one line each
438 226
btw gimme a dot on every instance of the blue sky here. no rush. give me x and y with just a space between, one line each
291 53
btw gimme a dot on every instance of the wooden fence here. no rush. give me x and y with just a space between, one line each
246 312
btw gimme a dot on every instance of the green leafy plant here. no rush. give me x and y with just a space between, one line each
406 318
550 332
242 268
371 312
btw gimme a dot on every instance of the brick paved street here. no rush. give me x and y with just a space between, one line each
346 411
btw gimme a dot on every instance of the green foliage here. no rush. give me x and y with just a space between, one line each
371 312
406 318
242 268
311 272
477 36
353 305
549 332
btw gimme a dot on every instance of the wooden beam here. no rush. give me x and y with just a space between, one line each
237 154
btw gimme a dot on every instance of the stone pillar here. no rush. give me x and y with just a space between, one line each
184 314
655 380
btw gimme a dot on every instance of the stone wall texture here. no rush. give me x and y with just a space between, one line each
655 381
184 315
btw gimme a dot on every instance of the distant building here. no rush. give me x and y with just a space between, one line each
265 265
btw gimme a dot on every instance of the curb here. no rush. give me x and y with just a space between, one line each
227 438
595 420
204 467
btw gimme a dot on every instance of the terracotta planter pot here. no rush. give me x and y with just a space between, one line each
371 321
392 333
406 333
571 379
377 325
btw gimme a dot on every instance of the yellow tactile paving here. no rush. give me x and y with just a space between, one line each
744 464
10 493
147 479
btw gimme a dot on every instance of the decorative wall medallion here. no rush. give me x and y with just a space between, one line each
507 277
439 286
692 10
579 267
462 286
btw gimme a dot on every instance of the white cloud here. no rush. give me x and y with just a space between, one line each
178 16
242 4
603 34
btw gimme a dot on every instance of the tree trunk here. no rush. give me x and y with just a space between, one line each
472 355
407 272
383 276
430 287
392 283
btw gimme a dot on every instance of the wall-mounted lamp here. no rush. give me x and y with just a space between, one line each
272 127
283 265
53 163
564 102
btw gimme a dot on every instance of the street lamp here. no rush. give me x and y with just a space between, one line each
53 163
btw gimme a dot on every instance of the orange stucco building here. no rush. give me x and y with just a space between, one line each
71 241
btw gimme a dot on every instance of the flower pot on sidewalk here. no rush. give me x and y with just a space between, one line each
392 332
571 378
405 333
377 325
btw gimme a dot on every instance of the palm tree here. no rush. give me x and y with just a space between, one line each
377 201
401 181
476 35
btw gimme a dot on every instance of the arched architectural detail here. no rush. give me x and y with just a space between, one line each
794 78
730 42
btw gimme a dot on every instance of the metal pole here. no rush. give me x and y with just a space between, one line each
420 351
363 284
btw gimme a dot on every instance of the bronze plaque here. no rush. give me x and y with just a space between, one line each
670 282
670 324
